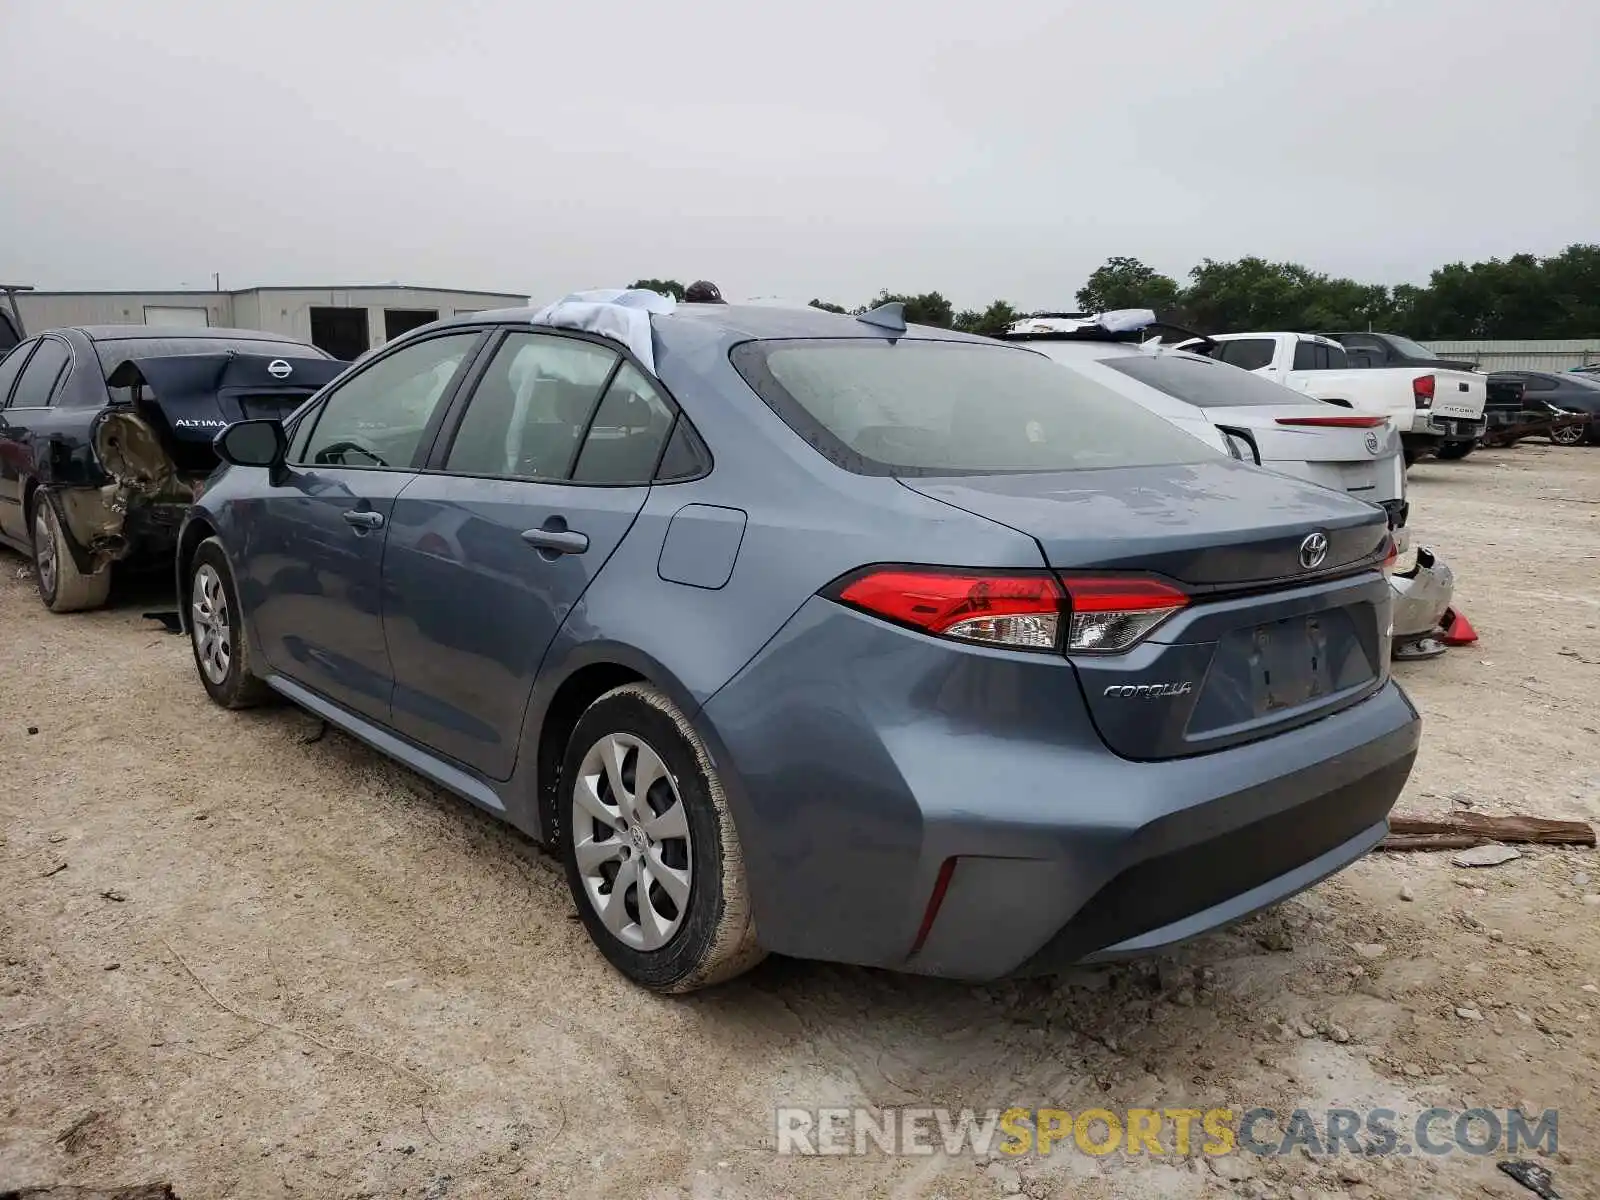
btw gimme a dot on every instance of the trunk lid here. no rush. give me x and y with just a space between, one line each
1360 457
193 397
1266 642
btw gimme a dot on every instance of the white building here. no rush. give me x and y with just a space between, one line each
344 321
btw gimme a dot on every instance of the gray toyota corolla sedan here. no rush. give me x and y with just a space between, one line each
817 635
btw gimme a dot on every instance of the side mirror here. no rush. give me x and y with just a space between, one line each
252 444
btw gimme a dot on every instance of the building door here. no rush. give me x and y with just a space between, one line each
403 320
342 332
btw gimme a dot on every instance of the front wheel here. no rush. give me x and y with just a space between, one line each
216 631
62 587
651 853
1450 451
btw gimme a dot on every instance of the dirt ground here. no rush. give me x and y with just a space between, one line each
256 965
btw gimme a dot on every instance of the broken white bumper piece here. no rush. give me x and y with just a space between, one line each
621 314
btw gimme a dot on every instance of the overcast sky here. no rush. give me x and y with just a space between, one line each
819 149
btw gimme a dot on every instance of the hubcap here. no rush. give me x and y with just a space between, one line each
208 624
630 837
44 554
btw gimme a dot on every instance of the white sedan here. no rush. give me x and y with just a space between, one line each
1259 421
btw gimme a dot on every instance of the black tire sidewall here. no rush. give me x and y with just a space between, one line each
695 938
234 690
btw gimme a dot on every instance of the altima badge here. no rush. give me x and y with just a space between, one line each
1313 550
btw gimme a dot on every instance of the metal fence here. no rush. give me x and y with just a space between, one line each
1561 355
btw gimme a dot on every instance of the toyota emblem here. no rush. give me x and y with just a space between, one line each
1313 550
279 369
1372 442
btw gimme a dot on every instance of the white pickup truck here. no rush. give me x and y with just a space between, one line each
1435 408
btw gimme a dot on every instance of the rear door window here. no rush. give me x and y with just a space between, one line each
924 407
527 416
1248 354
37 385
377 418
628 433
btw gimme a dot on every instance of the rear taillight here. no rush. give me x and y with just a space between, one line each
1110 614
1334 422
1022 610
1422 391
1019 610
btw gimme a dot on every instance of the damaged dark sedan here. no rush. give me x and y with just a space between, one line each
105 438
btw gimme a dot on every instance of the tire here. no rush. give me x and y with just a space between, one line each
704 935
217 635
1409 454
62 587
1452 451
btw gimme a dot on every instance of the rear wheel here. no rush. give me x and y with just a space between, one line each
1568 435
1454 450
62 587
652 857
216 631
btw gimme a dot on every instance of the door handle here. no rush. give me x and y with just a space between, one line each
363 518
551 542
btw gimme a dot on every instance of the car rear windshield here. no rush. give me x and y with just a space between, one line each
114 352
914 407
1203 382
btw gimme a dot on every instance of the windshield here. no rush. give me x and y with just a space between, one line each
954 408
1203 382
1409 348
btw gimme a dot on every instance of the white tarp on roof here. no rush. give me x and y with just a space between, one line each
621 314
1121 320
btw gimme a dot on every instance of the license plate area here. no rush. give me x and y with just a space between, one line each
1273 669
1288 663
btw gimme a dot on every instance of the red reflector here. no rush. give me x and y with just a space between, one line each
941 885
1335 422
936 600
1110 594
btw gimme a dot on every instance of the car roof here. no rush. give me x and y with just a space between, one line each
742 321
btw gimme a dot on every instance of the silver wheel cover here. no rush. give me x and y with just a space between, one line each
630 839
208 624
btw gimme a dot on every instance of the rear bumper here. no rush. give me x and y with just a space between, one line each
1421 598
860 758
1448 429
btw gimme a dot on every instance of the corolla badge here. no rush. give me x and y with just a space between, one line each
1148 691
1313 550
279 369
1372 442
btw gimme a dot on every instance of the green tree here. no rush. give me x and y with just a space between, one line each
991 322
1127 283
929 308
667 287
826 307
